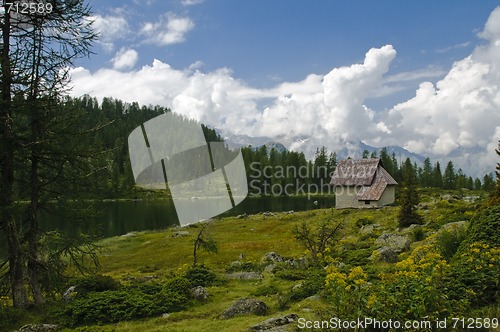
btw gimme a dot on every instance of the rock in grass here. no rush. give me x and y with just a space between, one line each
398 243
272 324
245 306
272 257
39 328
199 293
180 233
245 276
387 255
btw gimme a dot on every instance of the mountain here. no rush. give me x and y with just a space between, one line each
308 145
240 141
461 158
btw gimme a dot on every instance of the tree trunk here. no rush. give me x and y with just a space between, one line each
34 264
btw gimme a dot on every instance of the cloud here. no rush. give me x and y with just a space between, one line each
460 114
125 59
144 2
426 73
170 29
457 116
456 46
331 104
191 2
109 28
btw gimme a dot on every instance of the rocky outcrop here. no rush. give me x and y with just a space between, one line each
39 328
272 257
387 255
453 226
245 306
245 276
368 229
275 324
398 243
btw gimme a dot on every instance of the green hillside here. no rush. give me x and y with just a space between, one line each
450 269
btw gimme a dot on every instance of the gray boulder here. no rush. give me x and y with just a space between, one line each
39 328
180 233
69 294
245 275
398 243
272 324
387 255
272 257
245 306
368 229
452 226
199 293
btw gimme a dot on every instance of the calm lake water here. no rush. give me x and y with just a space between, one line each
121 217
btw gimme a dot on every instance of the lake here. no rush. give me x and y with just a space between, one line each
121 217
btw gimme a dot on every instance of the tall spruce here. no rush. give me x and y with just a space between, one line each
449 176
409 197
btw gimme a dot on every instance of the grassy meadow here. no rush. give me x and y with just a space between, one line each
155 257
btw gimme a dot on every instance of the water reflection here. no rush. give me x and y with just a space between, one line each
121 217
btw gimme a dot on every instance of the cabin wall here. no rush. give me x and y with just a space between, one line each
345 197
388 196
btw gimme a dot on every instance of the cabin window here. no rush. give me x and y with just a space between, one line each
367 202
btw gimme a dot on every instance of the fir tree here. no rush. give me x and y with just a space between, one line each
409 197
449 177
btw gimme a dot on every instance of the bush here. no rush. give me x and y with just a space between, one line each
179 285
475 274
449 241
310 286
107 307
94 283
287 272
418 234
363 222
9 317
484 228
265 290
128 303
201 276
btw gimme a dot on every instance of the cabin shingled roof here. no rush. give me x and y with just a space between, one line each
365 173
350 172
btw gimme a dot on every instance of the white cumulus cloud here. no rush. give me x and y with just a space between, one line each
125 59
170 29
461 112
109 28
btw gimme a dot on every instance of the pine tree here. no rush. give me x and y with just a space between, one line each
427 173
409 197
437 176
449 177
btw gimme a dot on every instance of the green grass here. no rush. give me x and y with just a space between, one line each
160 254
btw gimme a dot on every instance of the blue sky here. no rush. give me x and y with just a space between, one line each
328 72
264 42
